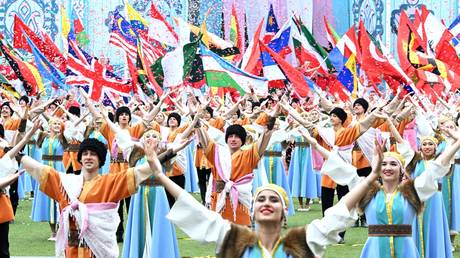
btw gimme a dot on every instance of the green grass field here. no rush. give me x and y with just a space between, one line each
28 238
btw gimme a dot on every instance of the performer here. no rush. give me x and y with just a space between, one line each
451 182
89 201
7 177
338 136
232 168
430 229
53 145
148 233
270 210
392 205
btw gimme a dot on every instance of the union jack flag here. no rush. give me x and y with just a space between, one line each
84 69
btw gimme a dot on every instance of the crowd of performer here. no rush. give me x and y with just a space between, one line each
392 161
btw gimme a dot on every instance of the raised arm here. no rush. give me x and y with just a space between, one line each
89 103
369 120
323 232
8 180
152 167
264 139
426 184
151 115
33 167
233 109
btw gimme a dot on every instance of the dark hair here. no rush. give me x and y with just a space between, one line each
7 104
176 116
122 110
237 130
74 110
95 145
25 99
340 113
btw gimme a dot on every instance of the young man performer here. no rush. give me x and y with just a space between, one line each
89 201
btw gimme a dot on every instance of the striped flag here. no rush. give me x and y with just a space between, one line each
235 34
27 73
160 29
220 73
5 84
123 36
331 35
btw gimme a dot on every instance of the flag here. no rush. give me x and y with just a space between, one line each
145 77
297 79
375 63
171 69
77 31
27 73
65 24
306 54
271 28
251 62
220 73
46 68
184 31
138 23
160 29
344 57
213 41
132 69
432 85
331 35
279 44
235 34
44 44
408 40
86 70
6 85
438 39
454 28
123 36
312 41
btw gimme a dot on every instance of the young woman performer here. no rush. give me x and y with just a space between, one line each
269 211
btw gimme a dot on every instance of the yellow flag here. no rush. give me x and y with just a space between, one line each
64 22
134 15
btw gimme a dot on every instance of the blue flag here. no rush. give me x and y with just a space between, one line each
46 68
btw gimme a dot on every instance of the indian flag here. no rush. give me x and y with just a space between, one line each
220 73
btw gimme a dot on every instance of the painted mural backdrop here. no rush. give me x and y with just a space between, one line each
380 16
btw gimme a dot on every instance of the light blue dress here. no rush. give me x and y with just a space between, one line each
256 252
451 197
402 212
455 198
430 229
302 177
191 176
276 173
149 205
45 209
26 182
